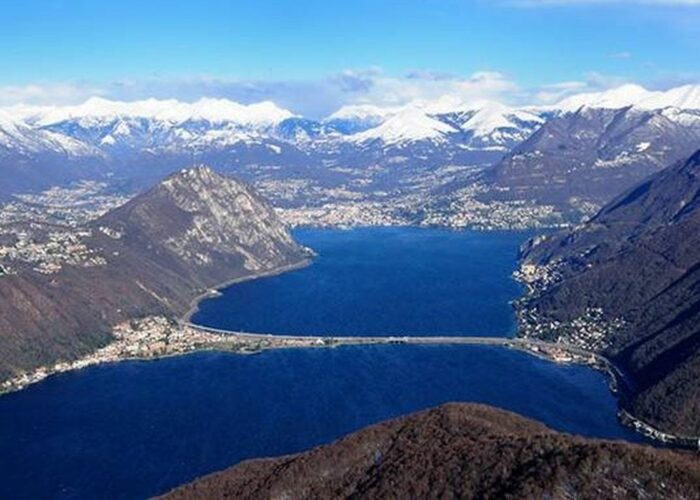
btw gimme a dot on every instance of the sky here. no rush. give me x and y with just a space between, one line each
313 56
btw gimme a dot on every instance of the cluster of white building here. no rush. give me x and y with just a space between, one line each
466 210
145 338
65 206
48 252
353 214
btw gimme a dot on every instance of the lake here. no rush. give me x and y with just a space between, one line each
382 281
135 429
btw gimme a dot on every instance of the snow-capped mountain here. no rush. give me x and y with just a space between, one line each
409 125
483 125
578 161
686 97
19 139
440 131
128 138
171 125
492 125
159 125
97 109
358 118
617 98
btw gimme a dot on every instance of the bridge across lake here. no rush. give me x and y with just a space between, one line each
515 342
556 351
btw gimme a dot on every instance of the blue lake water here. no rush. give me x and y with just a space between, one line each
135 429
387 281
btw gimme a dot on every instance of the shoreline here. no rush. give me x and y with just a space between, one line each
244 343
26 379
216 290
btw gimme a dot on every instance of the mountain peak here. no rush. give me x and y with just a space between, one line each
408 125
168 110
685 97
616 98
201 172
201 185
200 215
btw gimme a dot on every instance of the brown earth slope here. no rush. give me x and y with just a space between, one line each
459 451
638 263
193 231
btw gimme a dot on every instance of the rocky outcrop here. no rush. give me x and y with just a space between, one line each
459 451
151 256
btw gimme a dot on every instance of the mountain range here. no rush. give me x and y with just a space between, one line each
569 158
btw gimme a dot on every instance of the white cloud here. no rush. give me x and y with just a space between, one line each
592 82
387 90
314 98
47 93
548 94
321 97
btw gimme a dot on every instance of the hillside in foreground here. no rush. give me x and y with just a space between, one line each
459 451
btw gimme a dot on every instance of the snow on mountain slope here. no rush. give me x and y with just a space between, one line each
353 119
362 112
685 97
157 125
407 126
12 132
617 98
18 137
116 127
485 121
97 109
490 116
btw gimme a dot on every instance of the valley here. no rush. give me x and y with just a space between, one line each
312 250
102 266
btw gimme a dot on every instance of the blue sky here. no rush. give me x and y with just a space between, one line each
341 51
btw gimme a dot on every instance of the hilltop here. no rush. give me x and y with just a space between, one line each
459 451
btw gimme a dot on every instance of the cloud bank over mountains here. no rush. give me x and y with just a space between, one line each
316 98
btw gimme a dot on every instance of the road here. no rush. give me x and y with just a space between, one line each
522 343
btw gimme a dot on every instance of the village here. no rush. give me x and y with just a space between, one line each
156 337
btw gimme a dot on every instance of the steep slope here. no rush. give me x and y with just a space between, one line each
459 451
579 161
153 255
627 283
